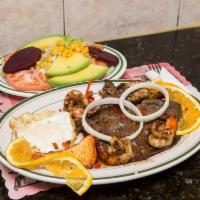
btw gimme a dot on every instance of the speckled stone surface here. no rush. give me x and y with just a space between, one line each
180 182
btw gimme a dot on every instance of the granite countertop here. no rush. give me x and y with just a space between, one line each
182 50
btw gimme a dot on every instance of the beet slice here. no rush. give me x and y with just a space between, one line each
22 59
104 56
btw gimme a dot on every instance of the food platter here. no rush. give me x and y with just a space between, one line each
114 72
53 99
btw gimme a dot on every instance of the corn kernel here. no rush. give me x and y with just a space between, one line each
59 43
86 54
85 50
77 49
64 54
54 50
70 54
61 48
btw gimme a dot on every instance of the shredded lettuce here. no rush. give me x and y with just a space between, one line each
70 39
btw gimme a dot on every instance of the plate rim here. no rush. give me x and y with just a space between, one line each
101 180
116 74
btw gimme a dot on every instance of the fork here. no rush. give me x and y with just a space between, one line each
155 67
156 71
158 68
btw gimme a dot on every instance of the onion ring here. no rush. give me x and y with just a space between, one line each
109 100
149 117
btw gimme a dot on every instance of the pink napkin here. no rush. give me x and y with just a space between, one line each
135 72
19 186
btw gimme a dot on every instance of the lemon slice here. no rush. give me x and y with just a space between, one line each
190 108
77 177
22 155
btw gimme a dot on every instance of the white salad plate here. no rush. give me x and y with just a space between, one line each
114 73
53 99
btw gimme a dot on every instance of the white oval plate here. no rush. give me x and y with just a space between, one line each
53 99
113 73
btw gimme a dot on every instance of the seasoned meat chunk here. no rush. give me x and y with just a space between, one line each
111 121
139 95
109 90
149 106
174 110
74 100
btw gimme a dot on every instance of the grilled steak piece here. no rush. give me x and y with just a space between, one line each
123 86
139 95
111 121
149 106
109 90
174 110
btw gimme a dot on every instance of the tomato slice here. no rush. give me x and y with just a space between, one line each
28 80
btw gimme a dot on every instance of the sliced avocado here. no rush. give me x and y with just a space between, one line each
45 41
64 66
91 72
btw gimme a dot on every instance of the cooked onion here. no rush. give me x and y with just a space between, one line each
109 100
149 117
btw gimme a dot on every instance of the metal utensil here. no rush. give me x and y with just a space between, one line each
156 71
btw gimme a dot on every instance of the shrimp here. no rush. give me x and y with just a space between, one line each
163 135
118 152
